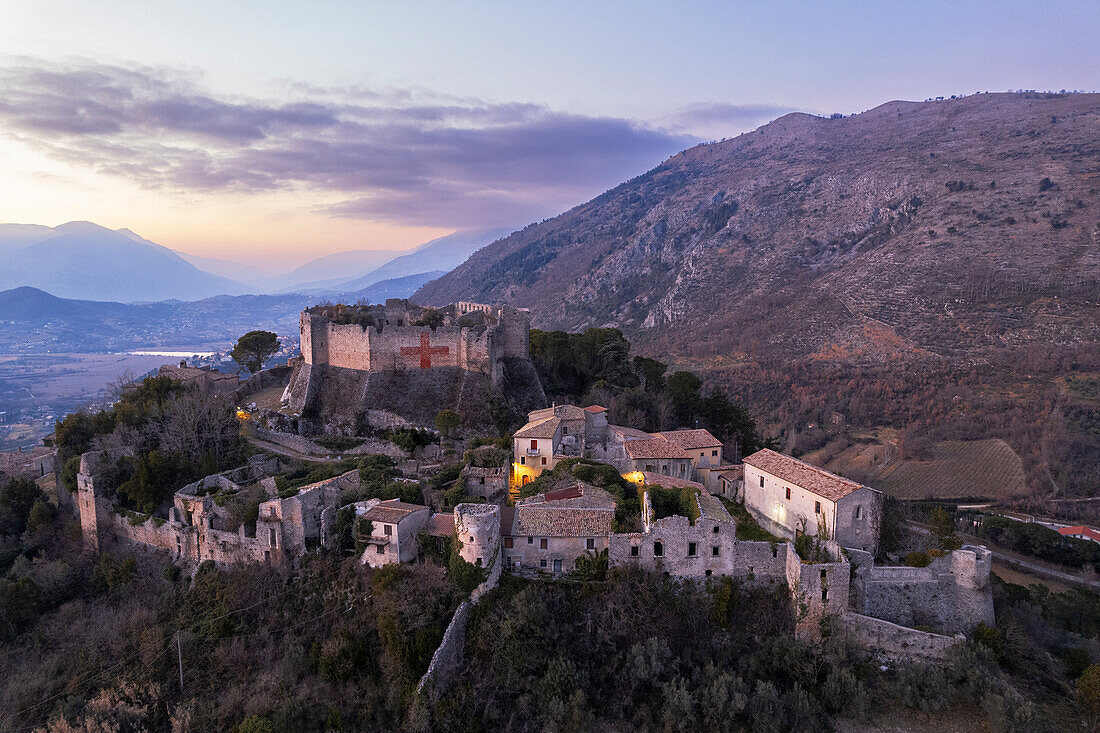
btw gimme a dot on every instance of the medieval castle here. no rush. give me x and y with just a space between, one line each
399 361
383 360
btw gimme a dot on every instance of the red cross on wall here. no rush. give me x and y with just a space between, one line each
424 351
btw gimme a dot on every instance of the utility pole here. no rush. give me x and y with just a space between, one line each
179 655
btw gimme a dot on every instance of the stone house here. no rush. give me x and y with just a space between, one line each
206 379
548 532
657 455
550 435
394 526
487 482
790 497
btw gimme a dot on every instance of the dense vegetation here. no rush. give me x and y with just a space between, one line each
595 367
156 438
89 643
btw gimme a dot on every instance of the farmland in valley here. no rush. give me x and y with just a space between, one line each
971 469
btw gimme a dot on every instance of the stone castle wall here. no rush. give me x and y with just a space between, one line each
395 347
896 642
952 595
762 562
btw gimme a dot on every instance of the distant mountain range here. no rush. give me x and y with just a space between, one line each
33 321
85 261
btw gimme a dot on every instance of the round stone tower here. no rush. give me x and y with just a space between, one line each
477 527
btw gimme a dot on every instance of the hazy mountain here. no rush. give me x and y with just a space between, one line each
442 254
334 267
237 271
398 287
948 227
85 260
32 320
17 236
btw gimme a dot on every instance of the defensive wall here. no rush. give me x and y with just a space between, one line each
893 641
197 529
951 595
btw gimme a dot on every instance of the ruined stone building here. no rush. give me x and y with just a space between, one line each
790 497
394 526
409 362
546 533
199 528
206 379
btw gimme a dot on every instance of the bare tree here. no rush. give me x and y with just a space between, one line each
199 426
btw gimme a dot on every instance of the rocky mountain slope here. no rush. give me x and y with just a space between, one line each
913 230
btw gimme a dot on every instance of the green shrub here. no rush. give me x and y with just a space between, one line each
918 559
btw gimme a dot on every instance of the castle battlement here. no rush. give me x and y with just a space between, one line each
400 336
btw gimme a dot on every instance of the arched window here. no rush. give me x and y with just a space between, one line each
658 549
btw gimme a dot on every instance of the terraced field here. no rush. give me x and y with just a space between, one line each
972 469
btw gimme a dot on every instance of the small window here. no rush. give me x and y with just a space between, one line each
715 529
649 467
564 430
542 563
775 550
482 481
478 562
544 460
542 544
714 551
817 507
387 530
824 595
691 549
750 570
761 482
708 573
590 544
508 542
523 460
530 540
380 549
823 575
859 511
788 493
534 445
658 549
714 453
634 551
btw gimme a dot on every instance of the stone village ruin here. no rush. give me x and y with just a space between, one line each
369 363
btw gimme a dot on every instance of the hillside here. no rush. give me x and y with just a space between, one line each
930 266
912 228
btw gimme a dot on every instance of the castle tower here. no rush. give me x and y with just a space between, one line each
477 527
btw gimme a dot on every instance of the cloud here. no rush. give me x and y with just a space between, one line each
401 156
716 120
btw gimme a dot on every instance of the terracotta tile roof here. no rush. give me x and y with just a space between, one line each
544 428
731 472
811 478
669 482
1088 532
587 515
630 433
565 412
691 439
570 493
654 448
441 525
595 408
391 511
